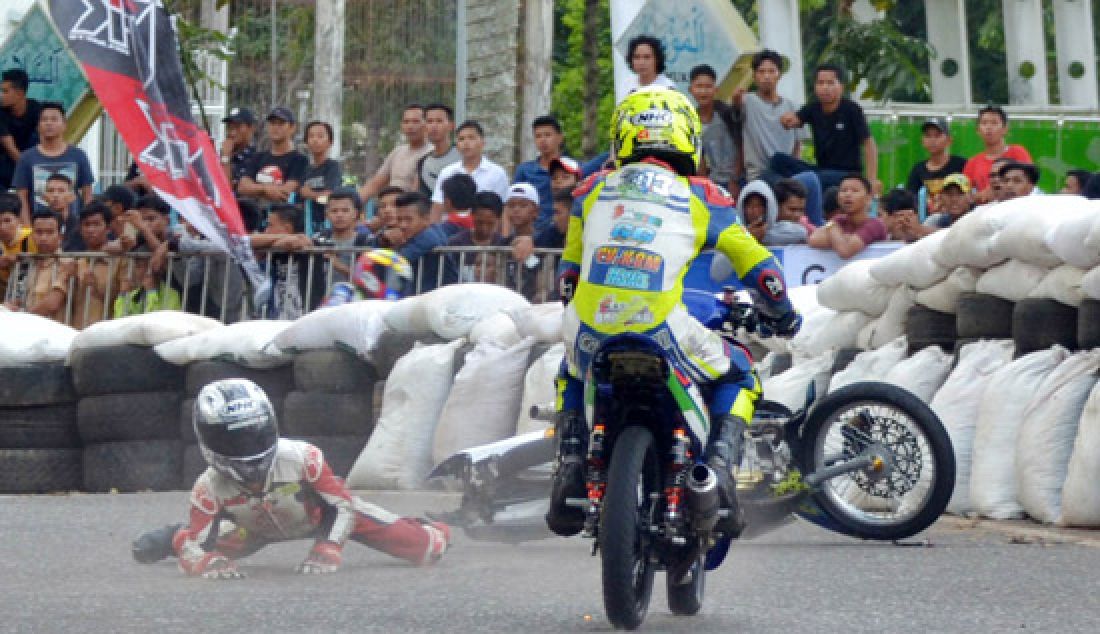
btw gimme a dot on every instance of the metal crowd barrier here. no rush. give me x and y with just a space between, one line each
209 284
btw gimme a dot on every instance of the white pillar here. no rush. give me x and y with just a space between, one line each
780 31
623 13
328 67
950 68
538 64
1026 46
1076 53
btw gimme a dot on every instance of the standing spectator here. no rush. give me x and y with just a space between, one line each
553 237
15 238
839 132
344 233
1019 180
52 155
851 230
929 174
992 128
488 175
321 177
645 55
48 278
414 216
439 124
292 293
899 213
521 208
462 267
565 175
18 123
762 133
237 149
399 168
58 197
955 202
548 140
274 176
93 275
721 131
459 192
1075 181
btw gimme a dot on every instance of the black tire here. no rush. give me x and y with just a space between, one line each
340 452
48 427
276 382
843 357
859 395
1038 324
686 599
627 569
926 327
1088 325
40 470
36 384
981 316
123 370
134 466
125 417
315 414
332 371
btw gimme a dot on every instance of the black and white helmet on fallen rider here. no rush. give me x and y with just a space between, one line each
237 432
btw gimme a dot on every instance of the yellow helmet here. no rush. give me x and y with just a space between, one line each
658 122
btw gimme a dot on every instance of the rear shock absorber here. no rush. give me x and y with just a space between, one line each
596 480
674 481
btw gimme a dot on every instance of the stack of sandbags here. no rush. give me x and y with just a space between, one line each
870 365
539 388
39 444
790 388
1080 494
129 408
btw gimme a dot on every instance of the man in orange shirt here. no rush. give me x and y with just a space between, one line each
993 128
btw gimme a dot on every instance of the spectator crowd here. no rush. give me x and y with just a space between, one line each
132 253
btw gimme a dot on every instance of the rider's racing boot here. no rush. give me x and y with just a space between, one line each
723 453
155 545
568 481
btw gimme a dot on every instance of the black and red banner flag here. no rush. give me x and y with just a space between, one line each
128 49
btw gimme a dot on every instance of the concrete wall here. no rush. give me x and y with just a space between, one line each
492 74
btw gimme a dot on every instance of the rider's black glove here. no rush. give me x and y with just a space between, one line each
786 326
567 285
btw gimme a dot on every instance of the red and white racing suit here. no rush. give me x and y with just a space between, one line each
304 500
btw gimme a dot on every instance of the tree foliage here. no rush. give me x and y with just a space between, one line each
571 74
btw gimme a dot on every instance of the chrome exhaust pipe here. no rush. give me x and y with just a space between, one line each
703 500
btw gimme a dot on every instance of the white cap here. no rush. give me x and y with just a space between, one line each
525 191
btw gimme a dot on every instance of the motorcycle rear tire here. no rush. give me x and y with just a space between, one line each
686 599
869 392
627 569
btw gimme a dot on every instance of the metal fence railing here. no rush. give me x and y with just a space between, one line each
82 288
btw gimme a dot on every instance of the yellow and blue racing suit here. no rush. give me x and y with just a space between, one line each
632 236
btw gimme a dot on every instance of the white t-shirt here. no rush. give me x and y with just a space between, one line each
488 175
662 81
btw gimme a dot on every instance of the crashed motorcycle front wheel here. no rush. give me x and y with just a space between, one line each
910 472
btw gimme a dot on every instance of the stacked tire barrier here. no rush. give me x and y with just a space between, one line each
39 444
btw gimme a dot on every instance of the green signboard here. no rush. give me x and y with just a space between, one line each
36 47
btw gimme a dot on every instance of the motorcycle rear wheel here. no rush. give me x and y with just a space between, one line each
911 491
624 552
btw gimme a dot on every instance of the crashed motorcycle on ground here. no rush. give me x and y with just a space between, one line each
869 460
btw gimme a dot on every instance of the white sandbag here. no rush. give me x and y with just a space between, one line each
484 402
453 310
409 316
1014 280
957 404
969 242
1006 397
1045 443
789 388
891 324
923 373
148 329
1069 238
539 388
1024 234
853 288
498 329
356 327
1080 493
247 343
913 264
1090 283
804 300
1062 284
541 321
826 331
399 452
871 365
944 296
31 338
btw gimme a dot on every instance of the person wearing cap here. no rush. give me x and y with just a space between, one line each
521 209
929 173
955 201
992 128
237 149
399 168
274 176
548 140
470 140
565 175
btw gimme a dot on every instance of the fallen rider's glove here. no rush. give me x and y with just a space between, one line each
324 558
220 567
786 326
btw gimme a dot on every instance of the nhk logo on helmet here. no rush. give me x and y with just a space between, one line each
652 118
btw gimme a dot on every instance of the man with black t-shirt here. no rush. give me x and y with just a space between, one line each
18 122
929 174
237 148
839 132
438 126
275 175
